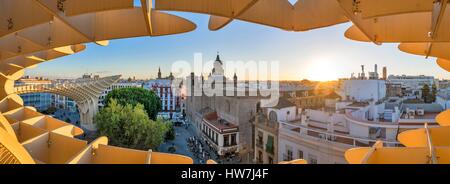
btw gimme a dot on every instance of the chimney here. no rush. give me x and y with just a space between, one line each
363 75
235 81
192 84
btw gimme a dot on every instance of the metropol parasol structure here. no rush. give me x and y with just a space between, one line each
35 31
85 92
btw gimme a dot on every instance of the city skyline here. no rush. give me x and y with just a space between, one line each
154 76
324 51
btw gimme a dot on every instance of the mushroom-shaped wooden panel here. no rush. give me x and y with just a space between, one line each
443 118
444 64
296 161
419 138
11 151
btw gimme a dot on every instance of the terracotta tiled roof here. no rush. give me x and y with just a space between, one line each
214 120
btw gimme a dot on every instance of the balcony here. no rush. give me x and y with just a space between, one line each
259 143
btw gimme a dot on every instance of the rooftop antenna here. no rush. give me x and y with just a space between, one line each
363 75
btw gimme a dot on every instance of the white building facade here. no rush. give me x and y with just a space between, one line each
362 89
412 85
323 137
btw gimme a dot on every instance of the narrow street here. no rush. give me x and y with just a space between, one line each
189 144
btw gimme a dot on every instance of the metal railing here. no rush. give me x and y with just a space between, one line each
332 137
349 117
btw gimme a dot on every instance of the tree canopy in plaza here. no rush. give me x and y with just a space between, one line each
135 96
129 126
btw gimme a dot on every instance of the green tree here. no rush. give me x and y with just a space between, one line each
426 93
170 135
129 126
433 93
134 96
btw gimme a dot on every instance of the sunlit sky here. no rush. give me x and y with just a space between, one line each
322 54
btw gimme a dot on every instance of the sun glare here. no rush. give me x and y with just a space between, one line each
321 69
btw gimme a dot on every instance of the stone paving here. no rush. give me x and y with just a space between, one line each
181 135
